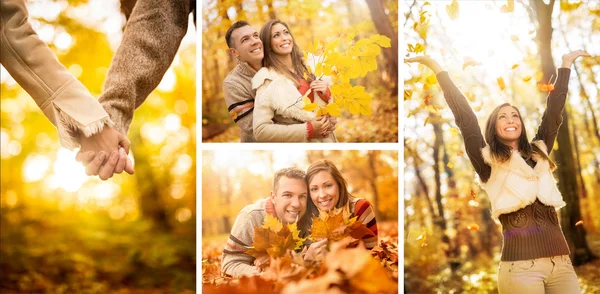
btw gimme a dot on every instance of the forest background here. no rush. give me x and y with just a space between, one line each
65 232
495 51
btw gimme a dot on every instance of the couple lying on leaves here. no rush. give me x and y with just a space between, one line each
306 211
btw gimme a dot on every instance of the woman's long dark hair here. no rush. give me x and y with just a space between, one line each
270 59
500 151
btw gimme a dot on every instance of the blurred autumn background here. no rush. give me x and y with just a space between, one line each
495 51
309 21
64 232
233 179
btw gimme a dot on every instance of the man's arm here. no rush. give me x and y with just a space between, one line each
240 106
235 262
151 40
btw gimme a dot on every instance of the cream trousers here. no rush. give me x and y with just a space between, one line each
547 275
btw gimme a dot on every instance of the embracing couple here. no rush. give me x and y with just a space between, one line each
263 91
296 196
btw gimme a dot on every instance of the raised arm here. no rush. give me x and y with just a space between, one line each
465 118
555 102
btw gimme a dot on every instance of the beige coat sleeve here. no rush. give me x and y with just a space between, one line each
153 34
62 98
265 130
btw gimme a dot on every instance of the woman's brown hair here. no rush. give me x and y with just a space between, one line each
501 151
270 59
328 166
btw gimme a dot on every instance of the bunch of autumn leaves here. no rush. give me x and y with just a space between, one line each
359 58
342 266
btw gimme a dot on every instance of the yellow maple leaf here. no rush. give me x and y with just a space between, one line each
308 105
381 40
274 239
272 223
319 69
453 10
333 109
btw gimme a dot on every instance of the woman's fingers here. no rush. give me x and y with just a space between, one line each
92 168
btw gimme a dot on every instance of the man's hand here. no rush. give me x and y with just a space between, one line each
105 154
320 126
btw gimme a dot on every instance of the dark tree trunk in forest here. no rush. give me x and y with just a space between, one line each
373 181
272 14
384 27
225 188
567 182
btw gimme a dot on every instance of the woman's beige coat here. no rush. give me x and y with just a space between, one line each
62 98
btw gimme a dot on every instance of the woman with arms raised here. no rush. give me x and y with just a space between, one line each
517 176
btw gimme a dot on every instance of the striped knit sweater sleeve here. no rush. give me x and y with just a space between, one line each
365 214
235 262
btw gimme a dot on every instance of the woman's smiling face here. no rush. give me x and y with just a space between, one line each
324 191
508 125
282 42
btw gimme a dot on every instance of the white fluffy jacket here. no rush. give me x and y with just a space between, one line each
514 184
278 115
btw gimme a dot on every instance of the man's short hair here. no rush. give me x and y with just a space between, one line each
290 172
236 25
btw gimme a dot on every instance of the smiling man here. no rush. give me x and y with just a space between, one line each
287 203
245 45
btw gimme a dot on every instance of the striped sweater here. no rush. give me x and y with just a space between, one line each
234 261
239 96
365 214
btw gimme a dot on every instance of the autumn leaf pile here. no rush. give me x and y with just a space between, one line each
359 58
343 269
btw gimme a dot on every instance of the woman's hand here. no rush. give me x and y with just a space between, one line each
427 61
569 58
319 86
315 249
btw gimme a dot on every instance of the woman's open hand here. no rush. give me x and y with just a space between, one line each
427 61
315 249
569 58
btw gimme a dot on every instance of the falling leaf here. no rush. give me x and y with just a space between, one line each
453 10
454 131
473 195
501 83
545 87
423 239
508 7
473 227
470 96
450 165
515 66
460 153
469 62
579 223
407 94
527 79
427 99
514 38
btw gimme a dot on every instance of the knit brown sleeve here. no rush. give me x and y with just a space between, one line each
467 123
150 42
555 103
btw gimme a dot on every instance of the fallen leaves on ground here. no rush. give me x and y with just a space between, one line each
343 270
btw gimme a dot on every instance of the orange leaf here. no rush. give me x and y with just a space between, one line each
527 79
469 62
473 195
545 87
514 38
470 96
473 227
515 66
509 7
501 83
428 98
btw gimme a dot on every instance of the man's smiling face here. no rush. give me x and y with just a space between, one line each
247 46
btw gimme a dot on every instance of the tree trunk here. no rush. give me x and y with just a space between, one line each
567 182
272 14
384 27
127 7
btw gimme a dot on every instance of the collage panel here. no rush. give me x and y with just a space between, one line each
300 71
501 146
293 221
123 219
